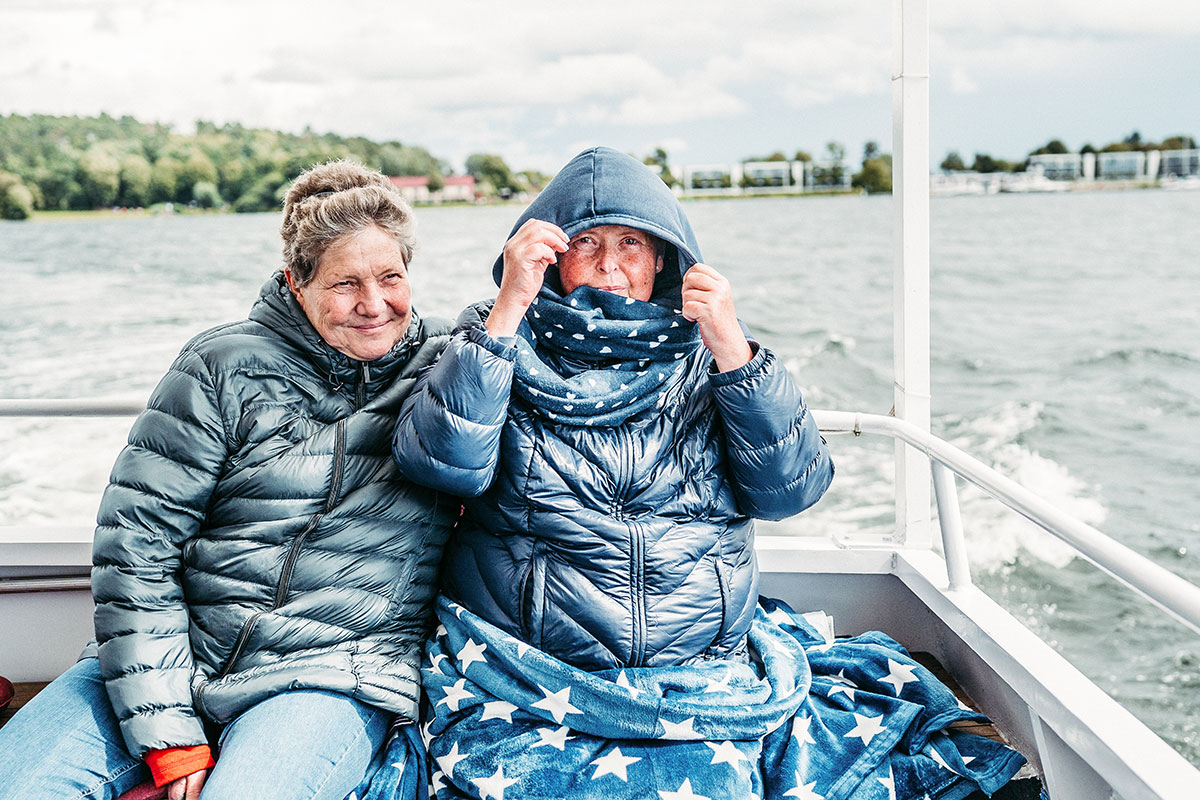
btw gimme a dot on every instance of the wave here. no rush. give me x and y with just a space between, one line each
997 536
1137 355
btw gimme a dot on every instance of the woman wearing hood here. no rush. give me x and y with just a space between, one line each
613 431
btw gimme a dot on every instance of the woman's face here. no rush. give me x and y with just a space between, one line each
614 258
359 298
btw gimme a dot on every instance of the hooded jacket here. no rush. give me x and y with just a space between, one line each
618 545
255 535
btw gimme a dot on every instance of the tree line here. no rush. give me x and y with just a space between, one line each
984 162
60 162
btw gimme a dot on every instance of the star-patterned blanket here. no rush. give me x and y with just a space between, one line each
806 718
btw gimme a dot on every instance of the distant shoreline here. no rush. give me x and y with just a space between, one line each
150 213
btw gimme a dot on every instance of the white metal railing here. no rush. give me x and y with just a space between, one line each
1158 584
110 407
1170 592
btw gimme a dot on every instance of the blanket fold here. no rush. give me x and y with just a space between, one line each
854 719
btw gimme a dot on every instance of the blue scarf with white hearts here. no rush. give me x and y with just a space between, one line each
597 358
855 719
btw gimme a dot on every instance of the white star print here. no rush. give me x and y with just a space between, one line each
771 726
553 738
841 684
721 685
498 709
623 682
781 617
679 730
804 791
470 653
449 761
436 782
683 793
436 662
457 609
493 786
890 783
726 753
941 762
441 631
557 703
898 675
613 764
455 695
866 728
800 733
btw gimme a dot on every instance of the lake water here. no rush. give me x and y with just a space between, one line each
1066 348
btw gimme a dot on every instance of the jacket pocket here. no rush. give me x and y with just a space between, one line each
533 597
723 580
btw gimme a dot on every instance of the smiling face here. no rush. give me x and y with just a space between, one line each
359 297
614 258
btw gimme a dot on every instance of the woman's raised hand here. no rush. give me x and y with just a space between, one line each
708 301
534 246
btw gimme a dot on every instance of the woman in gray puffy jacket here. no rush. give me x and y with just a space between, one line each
613 431
262 572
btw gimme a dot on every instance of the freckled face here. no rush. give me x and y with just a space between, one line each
359 298
614 258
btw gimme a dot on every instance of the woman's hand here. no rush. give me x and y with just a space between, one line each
534 246
708 301
188 787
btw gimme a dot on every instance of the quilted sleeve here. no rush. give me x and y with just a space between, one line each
155 501
779 462
448 432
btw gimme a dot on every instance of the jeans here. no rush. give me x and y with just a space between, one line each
299 745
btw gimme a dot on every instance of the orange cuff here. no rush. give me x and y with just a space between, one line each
178 762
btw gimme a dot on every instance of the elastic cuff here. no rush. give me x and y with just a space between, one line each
756 364
503 347
178 762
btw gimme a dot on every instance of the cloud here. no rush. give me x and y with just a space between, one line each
960 81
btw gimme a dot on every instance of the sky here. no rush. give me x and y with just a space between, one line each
536 82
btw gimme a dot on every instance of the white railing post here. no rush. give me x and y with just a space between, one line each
954 545
910 142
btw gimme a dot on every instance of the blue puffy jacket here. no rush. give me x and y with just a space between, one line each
607 546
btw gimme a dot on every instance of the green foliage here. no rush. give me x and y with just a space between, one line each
206 195
876 175
1053 147
99 177
659 159
16 200
136 175
95 162
953 162
490 170
1178 143
985 163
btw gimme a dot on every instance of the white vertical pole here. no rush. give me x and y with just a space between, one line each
910 142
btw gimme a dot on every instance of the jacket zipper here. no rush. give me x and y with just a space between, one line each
637 554
360 393
289 564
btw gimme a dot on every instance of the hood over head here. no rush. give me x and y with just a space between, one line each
602 186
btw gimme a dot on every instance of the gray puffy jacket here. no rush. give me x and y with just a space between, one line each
256 536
